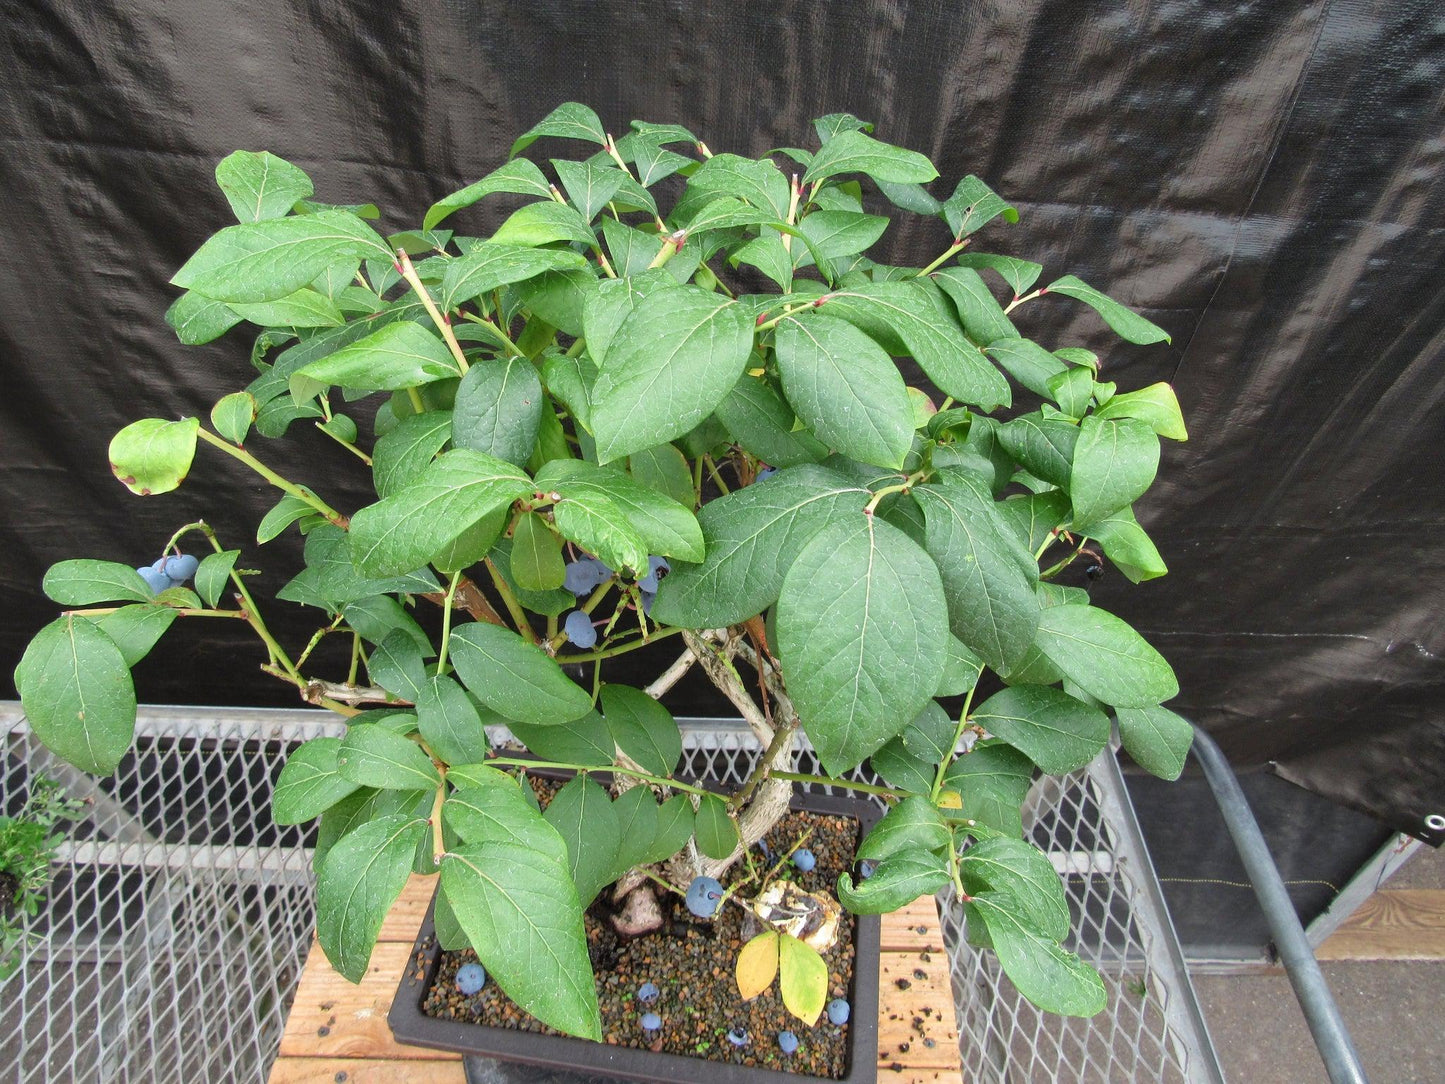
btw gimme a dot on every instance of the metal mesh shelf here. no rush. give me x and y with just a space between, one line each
180 917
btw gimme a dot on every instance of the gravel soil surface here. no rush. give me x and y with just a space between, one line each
691 960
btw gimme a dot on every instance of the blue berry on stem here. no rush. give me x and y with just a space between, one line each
580 577
471 978
738 1036
181 567
703 895
651 1021
766 472
155 580
657 568
787 1042
804 859
839 1011
648 992
580 630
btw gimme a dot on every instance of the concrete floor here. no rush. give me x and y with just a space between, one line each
1395 1012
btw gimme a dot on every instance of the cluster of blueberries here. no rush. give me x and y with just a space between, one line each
169 572
585 575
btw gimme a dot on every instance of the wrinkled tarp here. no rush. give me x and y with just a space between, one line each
1262 179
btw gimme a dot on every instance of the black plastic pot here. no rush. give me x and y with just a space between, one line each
561 1058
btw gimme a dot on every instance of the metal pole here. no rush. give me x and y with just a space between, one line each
1332 1038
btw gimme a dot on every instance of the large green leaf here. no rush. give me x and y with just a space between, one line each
675 824
845 388
665 527
399 355
834 235
636 811
642 728
536 555
1114 463
912 317
596 523
396 665
1027 362
583 815
589 185
305 308
520 177
1128 546
543 223
761 184
363 874
514 678
912 823
607 303
492 264
310 782
974 204
1056 731
377 617
498 409
716 832
84 583
198 319
854 152
1042 446
664 470
405 530
373 756
1105 657
570 120
1128 325
450 723
986 573
153 455
490 807
1156 738
260 185
897 881
1157 404
672 360
982 316
763 423
263 261
751 537
586 742
861 626
992 779
406 450
1016 867
1053 979
330 580
521 913
77 694
1019 274
135 629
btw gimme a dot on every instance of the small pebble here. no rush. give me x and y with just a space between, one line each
651 1022
648 992
738 1036
471 978
839 1011
787 1042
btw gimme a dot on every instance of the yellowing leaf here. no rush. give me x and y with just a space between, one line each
950 799
803 978
758 964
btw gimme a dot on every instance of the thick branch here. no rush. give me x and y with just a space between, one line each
716 662
469 597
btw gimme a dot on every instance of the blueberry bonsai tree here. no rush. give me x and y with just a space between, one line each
662 400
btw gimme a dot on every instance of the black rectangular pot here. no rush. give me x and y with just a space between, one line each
578 1059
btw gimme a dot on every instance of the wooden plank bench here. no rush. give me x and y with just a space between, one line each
337 1032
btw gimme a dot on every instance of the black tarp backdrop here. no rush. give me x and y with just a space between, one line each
1261 179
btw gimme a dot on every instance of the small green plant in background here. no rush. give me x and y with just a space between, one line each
661 400
27 848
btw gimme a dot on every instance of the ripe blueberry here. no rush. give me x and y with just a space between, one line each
804 859
703 895
651 1021
766 472
1094 571
471 978
866 868
181 567
580 630
738 1036
839 1011
787 1042
648 992
156 581
657 567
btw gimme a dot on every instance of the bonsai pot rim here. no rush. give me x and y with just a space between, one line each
563 1052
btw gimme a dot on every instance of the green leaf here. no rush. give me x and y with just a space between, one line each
263 261
1054 980
961 669
491 807
310 783
557 298
596 523
664 526
283 513
1024 872
802 978
77 694
498 409
407 529
152 455
664 470
213 573
520 177
330 580
491 265
1128 325
586 741
514 678
1128 546
912 824
547 603
536 555
1073 390
642 728
135 629
986 579
837 234
716 832
837 123
652 161
761 184
84 583
1055 731
583 816
768 255
993 779
400 355
636 811
751 536
1156 738
570 380
912 317
631 249
609 302
845 388
1042 446
1019 274
374 756
377 617
860 629
305 308
198 319
973 205
260 185
1114 463
1034 516
569 120
1156 404
1027 362
363 874
406 450
760 421
589 185
450 723
854 152
726 213
1105 657
233 414
544 223
982 317
673 359
521 913
674 828
896 882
